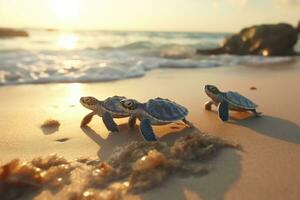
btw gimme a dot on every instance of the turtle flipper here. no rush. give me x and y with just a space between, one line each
257 114
223 111
131 122
109 122
188 123
208 105
87 119
147 131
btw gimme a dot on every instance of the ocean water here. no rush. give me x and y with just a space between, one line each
95 56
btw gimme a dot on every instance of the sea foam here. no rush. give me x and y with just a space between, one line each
52 57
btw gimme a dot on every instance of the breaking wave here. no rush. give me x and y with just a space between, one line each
47 57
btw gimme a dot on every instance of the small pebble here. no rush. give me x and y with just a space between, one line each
62 140
50 123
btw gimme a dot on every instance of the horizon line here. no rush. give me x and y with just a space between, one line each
110 30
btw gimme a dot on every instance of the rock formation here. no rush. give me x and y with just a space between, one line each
266 40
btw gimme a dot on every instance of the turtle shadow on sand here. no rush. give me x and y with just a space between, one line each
49 130
107 145
212 186
274 127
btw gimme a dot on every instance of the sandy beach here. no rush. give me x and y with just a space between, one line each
267 169
138 100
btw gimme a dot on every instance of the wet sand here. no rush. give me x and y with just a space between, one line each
268 169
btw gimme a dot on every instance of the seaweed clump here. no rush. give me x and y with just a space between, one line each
148 164
135 167
18 178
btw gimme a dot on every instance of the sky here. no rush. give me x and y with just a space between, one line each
147 15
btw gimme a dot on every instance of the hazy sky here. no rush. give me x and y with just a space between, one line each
164 15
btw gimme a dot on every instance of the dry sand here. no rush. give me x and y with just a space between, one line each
268 169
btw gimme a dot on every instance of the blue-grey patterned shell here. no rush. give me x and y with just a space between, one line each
166 110
238 100
112 104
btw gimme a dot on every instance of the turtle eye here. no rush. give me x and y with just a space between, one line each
130 105
213 89
87 100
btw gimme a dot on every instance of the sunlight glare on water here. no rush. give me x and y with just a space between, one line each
67 41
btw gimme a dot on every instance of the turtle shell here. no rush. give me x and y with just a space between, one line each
239 100
165 110
112 104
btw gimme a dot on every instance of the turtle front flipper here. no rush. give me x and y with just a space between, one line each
87 119
109 122
223 111
131 122
147 131
208 105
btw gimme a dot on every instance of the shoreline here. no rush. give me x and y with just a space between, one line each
267 170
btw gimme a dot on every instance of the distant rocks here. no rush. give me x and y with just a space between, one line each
7 32
266 40
51 30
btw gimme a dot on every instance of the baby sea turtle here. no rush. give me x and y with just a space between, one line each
108 109
154 112
228 101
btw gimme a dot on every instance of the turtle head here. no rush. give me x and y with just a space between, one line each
90 103
211 90
129 105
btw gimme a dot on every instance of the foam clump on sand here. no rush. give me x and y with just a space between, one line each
135 167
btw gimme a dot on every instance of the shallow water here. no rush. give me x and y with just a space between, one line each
94 56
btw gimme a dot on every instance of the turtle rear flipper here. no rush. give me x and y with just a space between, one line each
223 111
256 114
188 123
147 131
109 122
